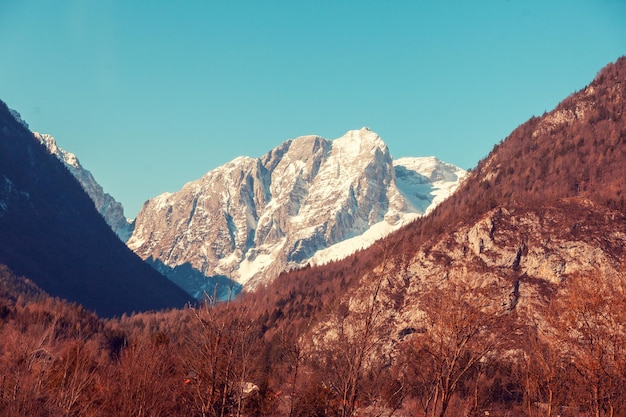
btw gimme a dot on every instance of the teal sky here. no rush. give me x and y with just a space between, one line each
150 95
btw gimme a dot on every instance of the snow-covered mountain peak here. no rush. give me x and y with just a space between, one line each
67 157
426 176
362 141
432 168
253 218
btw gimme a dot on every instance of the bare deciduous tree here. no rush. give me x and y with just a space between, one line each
357 332
218 359
590 319
459 332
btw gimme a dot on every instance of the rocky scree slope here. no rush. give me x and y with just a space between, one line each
308 201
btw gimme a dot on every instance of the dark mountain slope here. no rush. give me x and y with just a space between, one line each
51 232
13 287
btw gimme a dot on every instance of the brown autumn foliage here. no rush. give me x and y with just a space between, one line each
60 360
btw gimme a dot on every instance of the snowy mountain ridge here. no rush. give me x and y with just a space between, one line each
424 182
107 206
309 200
18 117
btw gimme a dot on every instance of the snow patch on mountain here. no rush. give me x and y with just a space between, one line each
426 181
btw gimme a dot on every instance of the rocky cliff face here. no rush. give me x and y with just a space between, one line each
518 255
107 206
308 200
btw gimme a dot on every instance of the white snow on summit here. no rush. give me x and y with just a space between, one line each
309 200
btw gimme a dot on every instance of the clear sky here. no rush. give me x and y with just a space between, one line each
152 94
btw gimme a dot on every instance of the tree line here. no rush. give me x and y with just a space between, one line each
468 356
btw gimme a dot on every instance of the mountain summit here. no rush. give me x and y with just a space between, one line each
309 200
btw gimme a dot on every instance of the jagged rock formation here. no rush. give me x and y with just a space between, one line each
107 206
308 200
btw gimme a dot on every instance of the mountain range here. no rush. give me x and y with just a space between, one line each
308 201
311 201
